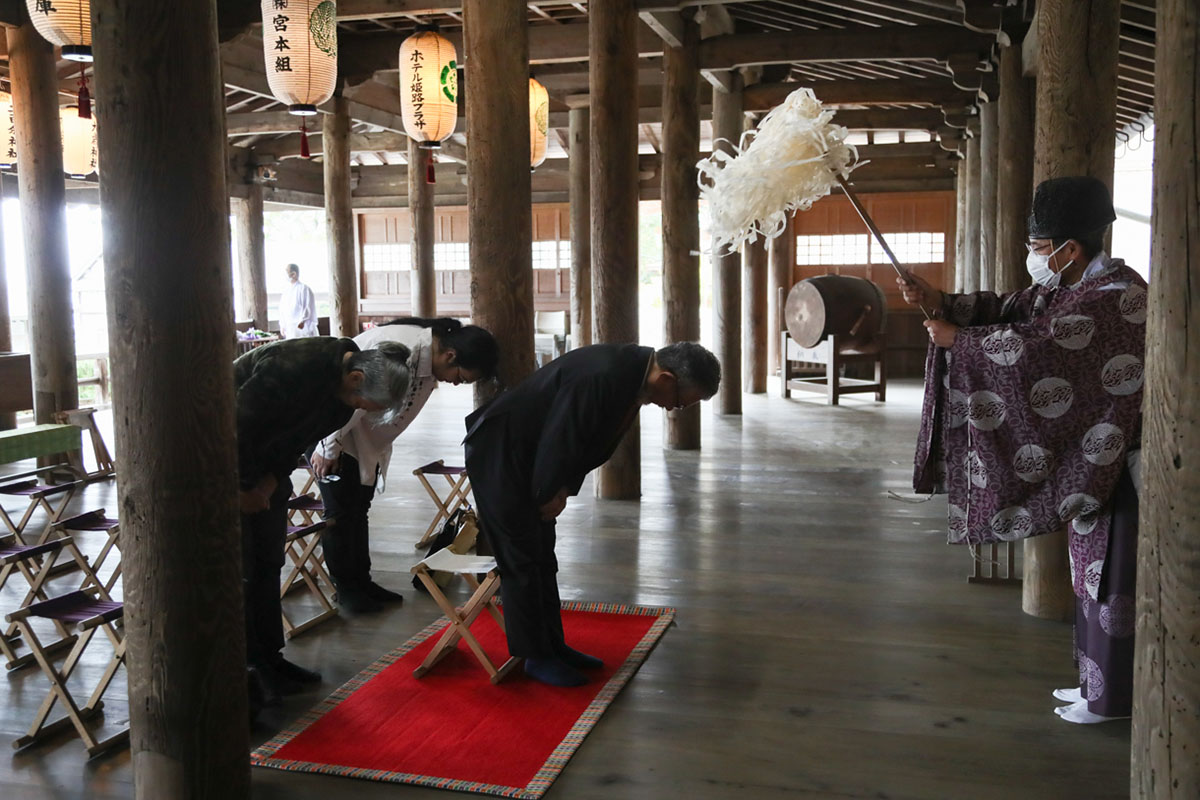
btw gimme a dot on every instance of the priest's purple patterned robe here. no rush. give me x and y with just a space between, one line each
1029 415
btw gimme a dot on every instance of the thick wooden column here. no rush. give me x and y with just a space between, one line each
43 196
754 317
166 262
989 151
1166 687
782 256
252 254
681 215
727 268
1014 185
498 189
420 208
1076 120
968 270
579 194
612 48
954 281
8 419
339 220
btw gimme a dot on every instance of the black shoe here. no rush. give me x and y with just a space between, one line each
275 683
382 595
554 672
357 601
573 658
294 672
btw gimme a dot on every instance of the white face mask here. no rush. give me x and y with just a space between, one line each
1039 269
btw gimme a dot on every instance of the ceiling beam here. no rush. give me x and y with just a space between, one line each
667 24
865 92
892 42
911 119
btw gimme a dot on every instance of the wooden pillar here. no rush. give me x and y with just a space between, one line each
954 282
1166 686
166 263
420 209
612 48
754 317
727 268
43 196
1014 185
1076 120
580 165
252 255
339 220
989 151
782 256
498 188
969 268
681 215
8 419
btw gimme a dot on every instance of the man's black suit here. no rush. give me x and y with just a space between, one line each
544 435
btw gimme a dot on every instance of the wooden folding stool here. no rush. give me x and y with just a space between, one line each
87 613
308 569
460 488
97 521
33 562
39 495
84 418
483 597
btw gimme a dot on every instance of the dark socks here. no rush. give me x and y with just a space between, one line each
573 658
554 672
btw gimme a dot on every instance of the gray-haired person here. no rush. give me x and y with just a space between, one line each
290 395
531 448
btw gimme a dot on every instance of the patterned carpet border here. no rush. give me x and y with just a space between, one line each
557 761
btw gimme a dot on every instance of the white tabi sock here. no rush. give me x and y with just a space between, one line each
1078 713
1068 695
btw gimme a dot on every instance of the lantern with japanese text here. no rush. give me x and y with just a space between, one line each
539 122
8 132
428 87
66 24
300 52
79 142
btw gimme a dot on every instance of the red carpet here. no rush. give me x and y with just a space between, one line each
454 730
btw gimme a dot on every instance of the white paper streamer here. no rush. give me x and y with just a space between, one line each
789 162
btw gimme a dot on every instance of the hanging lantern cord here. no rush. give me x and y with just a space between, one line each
430 177
304 152
85 97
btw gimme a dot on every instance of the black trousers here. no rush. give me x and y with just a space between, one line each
263 537
347 541
524 549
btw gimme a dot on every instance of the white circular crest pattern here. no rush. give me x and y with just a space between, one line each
1103 444
957 522
1004 347
976 470
1133 305
1012 523
1078 505
1032 463
986 410
1118 616
1073 331
1122 375
1091 676
1091 578
957 408
1051 397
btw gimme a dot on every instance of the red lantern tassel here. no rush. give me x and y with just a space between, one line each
429 174
304 152
85 97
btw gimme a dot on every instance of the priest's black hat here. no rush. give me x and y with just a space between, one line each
1064 208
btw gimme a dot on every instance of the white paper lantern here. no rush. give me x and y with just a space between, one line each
66 24
428 87
79 142
300 52
539 122
8 132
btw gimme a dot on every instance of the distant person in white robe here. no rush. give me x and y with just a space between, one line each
297 308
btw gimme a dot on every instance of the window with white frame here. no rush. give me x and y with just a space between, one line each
451 255
920 247
545 255
820 250
386 257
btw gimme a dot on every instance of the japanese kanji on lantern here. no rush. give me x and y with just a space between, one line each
300 52
79 142
8 132
539 122
66 24
428 86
